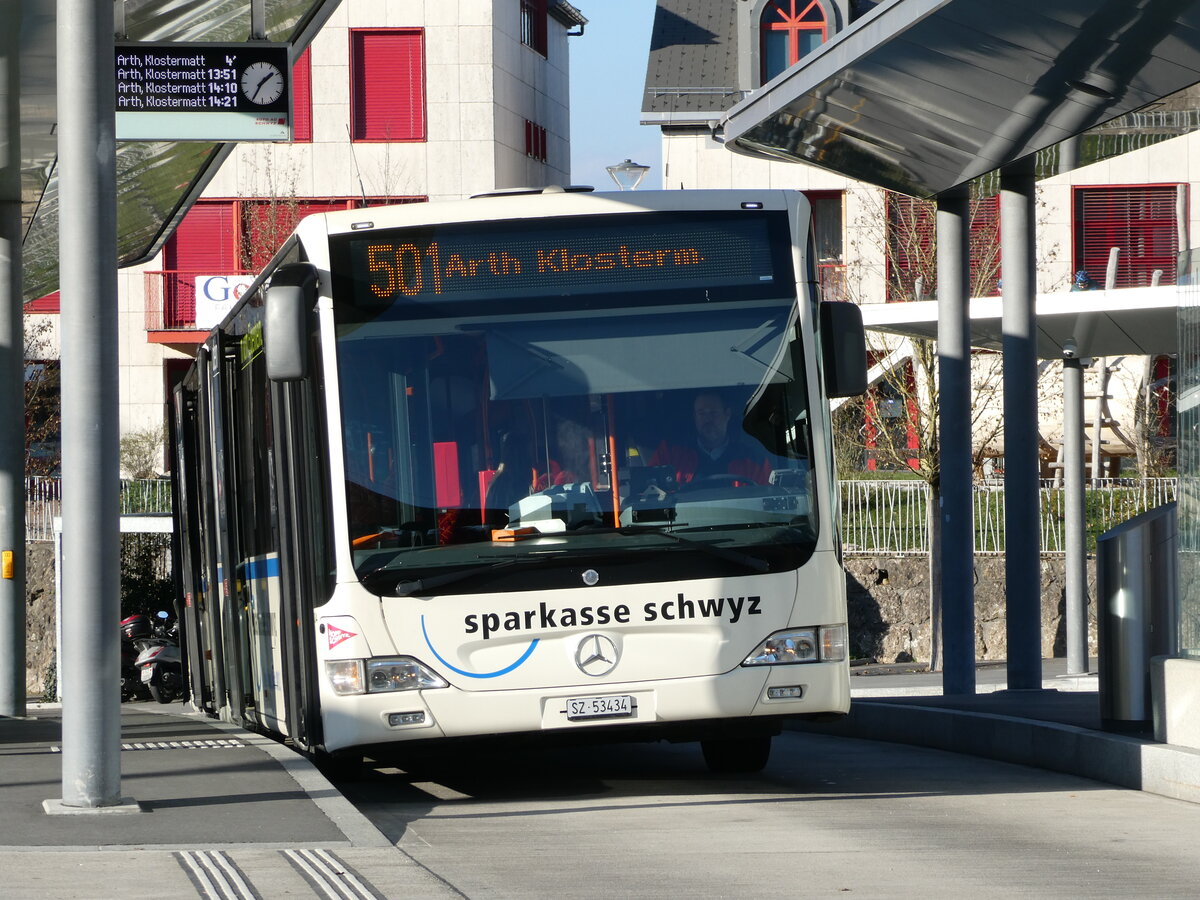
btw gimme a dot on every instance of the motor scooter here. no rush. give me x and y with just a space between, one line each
136 630
161 664
131 677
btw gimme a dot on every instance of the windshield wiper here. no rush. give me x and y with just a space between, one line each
753 563
420 585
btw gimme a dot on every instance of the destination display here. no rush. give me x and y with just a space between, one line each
565 256
195 91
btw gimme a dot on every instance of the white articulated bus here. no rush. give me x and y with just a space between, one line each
551 462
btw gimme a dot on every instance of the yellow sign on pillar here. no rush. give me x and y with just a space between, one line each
6 564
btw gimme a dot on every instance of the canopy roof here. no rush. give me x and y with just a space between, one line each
156 181
922 95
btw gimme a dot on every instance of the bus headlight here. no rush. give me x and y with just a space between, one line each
373 676
825 643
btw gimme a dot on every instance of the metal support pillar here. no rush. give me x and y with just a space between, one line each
91 726
1076 572
1022 564
954 434
12 379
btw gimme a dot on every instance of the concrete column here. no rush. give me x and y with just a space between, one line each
1021 470
12 376
91 763
1076 570
954 435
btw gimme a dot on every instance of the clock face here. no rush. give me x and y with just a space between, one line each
262 83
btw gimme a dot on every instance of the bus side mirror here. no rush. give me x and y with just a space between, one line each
844 349
291 296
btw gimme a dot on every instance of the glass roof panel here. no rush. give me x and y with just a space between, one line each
156 180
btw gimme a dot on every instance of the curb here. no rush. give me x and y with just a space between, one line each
1115 759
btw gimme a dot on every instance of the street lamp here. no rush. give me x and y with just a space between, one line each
628 175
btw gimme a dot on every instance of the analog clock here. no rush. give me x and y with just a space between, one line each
262 83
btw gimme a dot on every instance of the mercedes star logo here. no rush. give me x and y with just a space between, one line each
596 655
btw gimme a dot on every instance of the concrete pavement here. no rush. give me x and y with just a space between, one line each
226 814
1057 728
231 814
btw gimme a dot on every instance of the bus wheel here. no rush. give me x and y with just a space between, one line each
729 755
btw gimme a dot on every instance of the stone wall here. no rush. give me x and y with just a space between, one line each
888 598
39 616
889 607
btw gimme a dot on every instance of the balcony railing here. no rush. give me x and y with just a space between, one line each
43 501
171 298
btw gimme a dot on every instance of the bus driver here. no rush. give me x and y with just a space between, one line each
714 452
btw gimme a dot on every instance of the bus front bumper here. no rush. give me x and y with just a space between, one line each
369 720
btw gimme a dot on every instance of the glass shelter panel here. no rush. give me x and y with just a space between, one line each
1189 454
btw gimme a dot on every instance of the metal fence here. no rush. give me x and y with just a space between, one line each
892 517
43 502
878 517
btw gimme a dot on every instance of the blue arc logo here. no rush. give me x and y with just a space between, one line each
524 656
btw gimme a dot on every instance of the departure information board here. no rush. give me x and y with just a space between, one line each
203 92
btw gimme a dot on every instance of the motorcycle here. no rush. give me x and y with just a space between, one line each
160 662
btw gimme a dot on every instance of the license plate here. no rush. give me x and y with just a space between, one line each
147 674
620 706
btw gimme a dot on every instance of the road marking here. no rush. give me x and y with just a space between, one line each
215 875
330 876
206 744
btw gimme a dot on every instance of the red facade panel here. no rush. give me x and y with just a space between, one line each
302 98
388 85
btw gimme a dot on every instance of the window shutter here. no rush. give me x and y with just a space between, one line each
911 230
912 246
984 246
205 243
1138 220
388 85
302 98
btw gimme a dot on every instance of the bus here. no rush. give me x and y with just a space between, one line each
548 463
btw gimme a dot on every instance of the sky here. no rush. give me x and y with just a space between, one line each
608 74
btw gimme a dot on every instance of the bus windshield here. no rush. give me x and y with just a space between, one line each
659 434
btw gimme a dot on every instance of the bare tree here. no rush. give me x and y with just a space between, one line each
141 452
43 415
900 414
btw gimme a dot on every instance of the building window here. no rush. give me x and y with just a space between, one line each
387 100
1141 222
302 98
533 25
535 141
789 29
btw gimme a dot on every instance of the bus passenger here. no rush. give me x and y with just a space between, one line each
574 462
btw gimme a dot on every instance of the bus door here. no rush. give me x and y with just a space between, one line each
255 588
189 560
305 553
224 591
207 582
